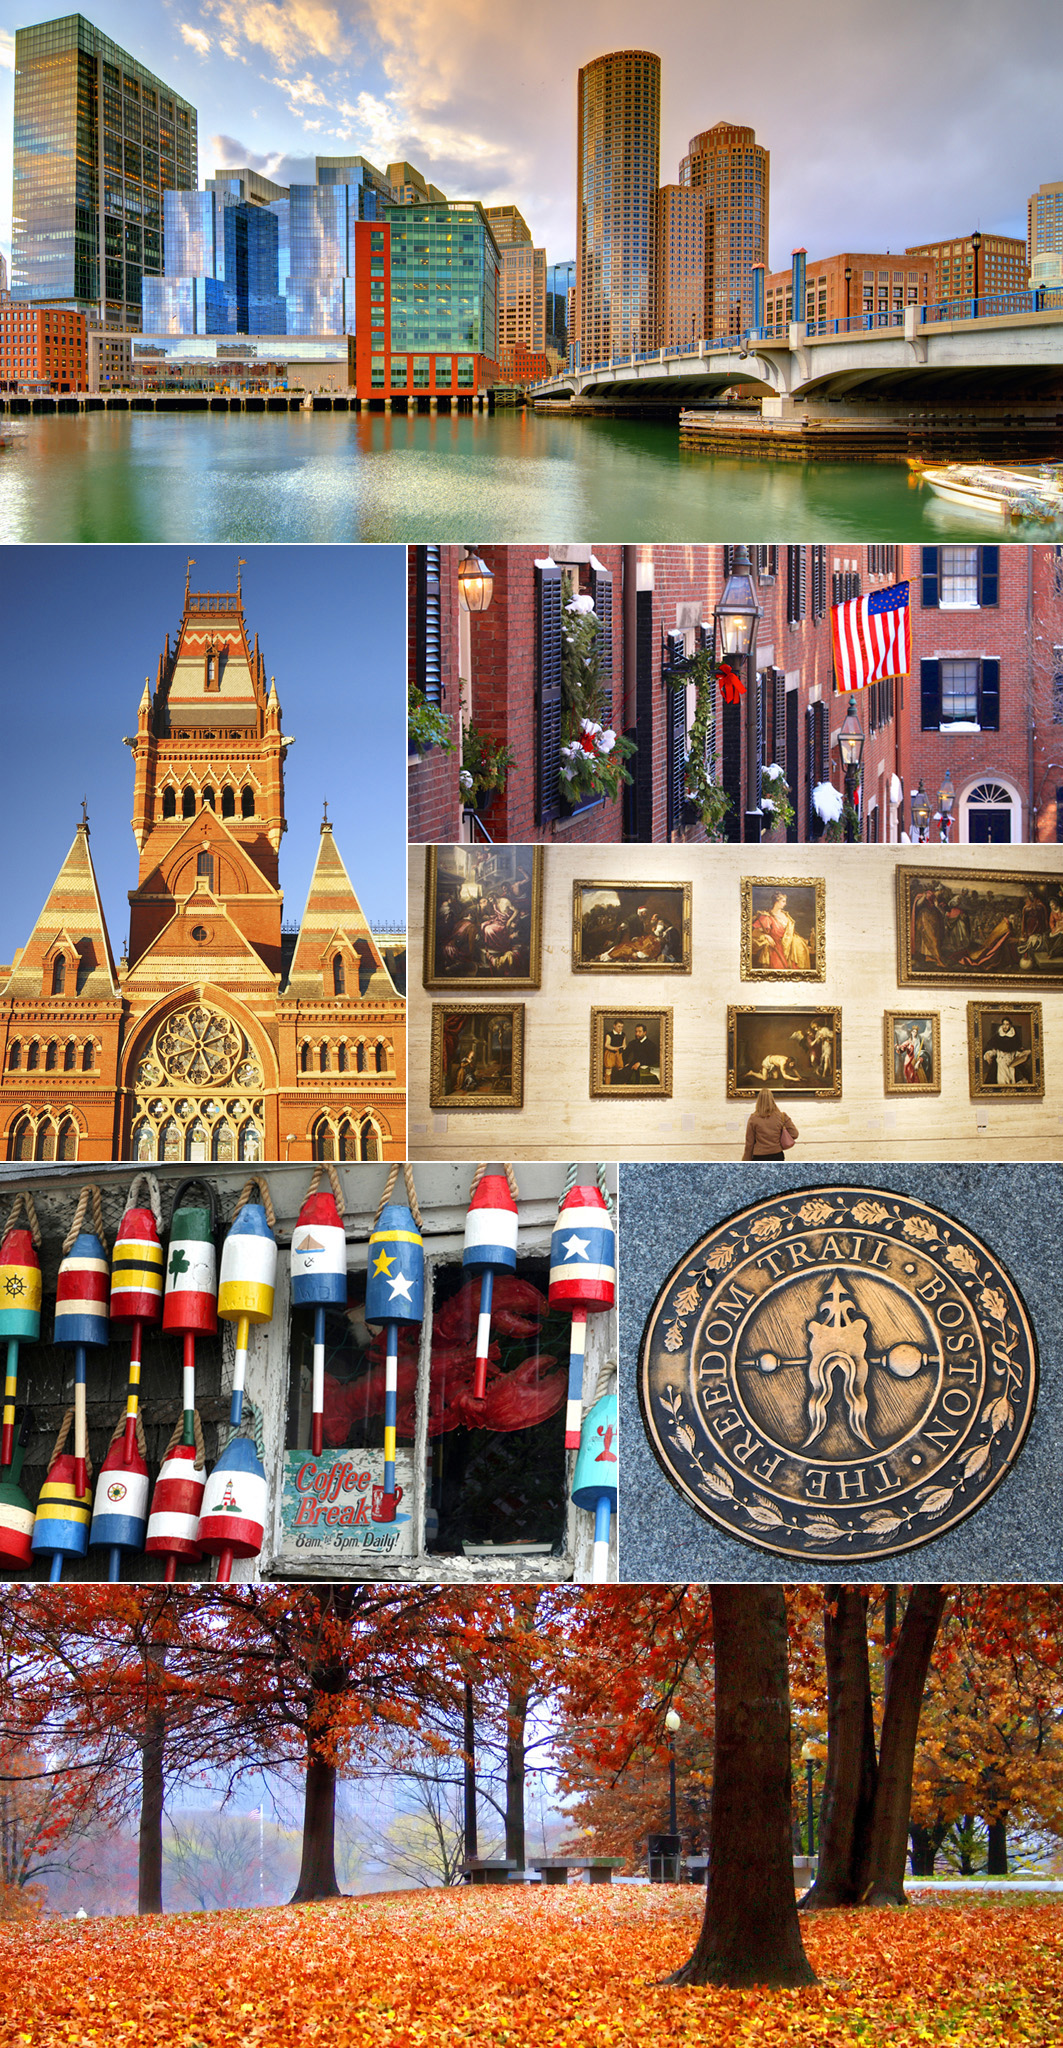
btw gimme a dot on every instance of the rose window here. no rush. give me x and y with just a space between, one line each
198 1091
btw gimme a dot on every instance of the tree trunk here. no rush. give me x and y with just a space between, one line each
925 1845
471 1848
317 1871
882 1876
152 1783
997 1847
852 1770
516 1718
750 1933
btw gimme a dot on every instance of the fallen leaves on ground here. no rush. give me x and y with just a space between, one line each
525 1968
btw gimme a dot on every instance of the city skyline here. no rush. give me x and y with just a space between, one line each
277 84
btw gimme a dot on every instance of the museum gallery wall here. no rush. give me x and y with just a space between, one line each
917 1011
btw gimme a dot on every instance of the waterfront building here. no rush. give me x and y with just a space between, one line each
730 169
110 359
521 298
437 294
97 140
679 267
410 188
507 225
42 346
1000 261
560 282
217 1035
222 274
1044 234
854 285
978 716
617 170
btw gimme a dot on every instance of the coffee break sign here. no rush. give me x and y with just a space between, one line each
332 1503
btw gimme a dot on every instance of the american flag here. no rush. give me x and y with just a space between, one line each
872 638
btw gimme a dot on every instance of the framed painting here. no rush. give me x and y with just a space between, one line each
912 1052
631 927
1005 1050
483 917
631 1052
477 1058
793 1051
783 924
961 926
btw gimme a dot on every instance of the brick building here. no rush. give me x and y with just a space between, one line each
679 267
44 346
217 1036
1000 260
521 299
731 170
983 701
857 284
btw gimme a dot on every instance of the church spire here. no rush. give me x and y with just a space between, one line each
335 923
72 924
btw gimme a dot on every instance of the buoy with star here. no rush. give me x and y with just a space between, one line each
318 1269
20 1306
394 1294
583 1279
490 1248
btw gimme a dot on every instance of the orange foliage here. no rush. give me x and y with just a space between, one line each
528 1968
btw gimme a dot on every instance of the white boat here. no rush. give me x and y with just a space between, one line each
1034 491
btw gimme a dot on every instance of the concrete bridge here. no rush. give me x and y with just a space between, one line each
1003 351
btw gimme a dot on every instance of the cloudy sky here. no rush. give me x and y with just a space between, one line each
885 125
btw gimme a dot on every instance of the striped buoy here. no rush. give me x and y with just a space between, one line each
81 1311
176 1504
394 1294
190 1303
136 1267
233 1521
318 1270
248 1278
61 1528
20 1305
120 1509
16 1514
490 1248
582 1278
594 1485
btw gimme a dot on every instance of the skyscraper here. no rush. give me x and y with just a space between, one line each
728 166
560 281
679 267
1044 234
617 165
98 138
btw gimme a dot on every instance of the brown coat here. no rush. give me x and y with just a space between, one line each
764 1134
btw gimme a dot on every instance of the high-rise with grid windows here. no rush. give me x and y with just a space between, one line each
97 140
1044 234
728 166
617 170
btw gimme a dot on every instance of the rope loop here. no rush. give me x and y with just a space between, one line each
260 1182
154 1200
87 1195
325 1166
24 1201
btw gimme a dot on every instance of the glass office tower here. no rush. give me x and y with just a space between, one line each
221 268
444 278
97 139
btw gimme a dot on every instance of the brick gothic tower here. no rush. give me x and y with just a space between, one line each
213 1038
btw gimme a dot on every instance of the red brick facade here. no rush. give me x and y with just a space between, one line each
45 346
434 796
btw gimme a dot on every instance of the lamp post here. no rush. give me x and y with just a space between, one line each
848 282
736 619
809 1752
673 1724
920 808
475 582
976 243
849 739
946 800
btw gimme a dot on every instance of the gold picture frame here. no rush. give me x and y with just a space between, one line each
477 1056
793 1050
784 928
621 1066
964 927
631 927
1005 1050
483 917
911 1052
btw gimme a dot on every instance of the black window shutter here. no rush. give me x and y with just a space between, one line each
645 713
931 578
547 691
1059 815
429 675
989 575
728 559
795 584
677 733
989 696
779 719
836 587
930 684
822 716
802 587
602 593
675 645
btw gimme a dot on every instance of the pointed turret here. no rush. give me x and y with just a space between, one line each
71 928
335 943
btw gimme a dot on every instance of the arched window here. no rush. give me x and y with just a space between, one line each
45 1146
323 1057
197 1145
361 1056
341 1059
247 802
339 975
33 1057
70 1056
169 803
228 802
14 1058
381 1056
324 1139
20 1145
88 1058
223 1145
304 1057
67 1147
143 1144
348 1140
208 798
51 1057
370 1147
188 803
59 974
205 868
212 670
250 1142
170 1140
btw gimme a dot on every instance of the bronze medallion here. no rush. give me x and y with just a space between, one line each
838 1373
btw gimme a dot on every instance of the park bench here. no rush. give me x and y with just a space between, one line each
488 1869
599 1869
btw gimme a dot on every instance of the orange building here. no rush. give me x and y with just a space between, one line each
43 345
856 284
219 1036
731 170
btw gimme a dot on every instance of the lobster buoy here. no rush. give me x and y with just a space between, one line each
61 1528
81 1317
594 1485
190 1303
490 1248
120 1509
176 1505
394 1294
136 1292
319 1278
20 1308
233 1519
583 1279
248 1281
16 1514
